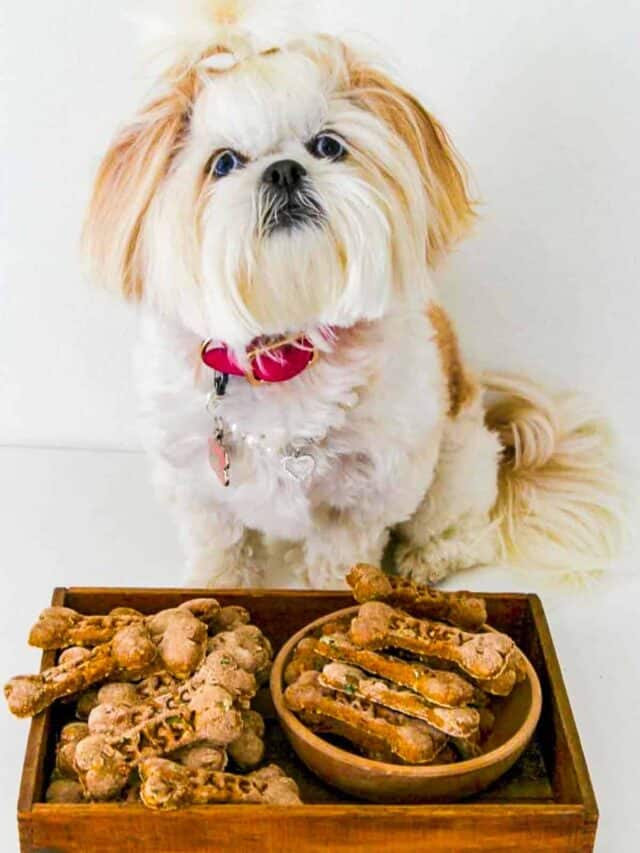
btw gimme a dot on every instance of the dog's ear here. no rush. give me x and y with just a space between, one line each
131 171
443 173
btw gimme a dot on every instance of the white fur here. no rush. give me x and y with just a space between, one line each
177 33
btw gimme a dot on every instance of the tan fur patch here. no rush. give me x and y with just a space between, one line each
443 173
461 389
131 171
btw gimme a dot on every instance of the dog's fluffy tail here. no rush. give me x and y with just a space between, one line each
560 505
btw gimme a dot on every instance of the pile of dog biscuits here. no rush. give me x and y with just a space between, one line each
162 704
411 679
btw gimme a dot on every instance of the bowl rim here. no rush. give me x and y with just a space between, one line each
517 741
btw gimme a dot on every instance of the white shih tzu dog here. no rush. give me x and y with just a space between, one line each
276 209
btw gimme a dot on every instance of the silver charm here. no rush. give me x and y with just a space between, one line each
219 458
299 464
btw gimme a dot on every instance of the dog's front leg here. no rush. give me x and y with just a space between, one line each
220 551
335 543
452 528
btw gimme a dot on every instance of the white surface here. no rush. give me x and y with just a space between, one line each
85 518
541 98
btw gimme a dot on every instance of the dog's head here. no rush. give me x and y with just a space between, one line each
278 190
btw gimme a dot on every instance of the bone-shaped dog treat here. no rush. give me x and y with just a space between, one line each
207 610
128 705
202 755
248 750
513 674
467 747
483 656
85 703
74 654
248 645
64 792
305 656
439 687
229 618
413 741
131 651
455 722
70 737
104 762
181 639
166 785
61 627
174 639
459 608
370 745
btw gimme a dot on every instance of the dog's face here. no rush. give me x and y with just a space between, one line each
296 191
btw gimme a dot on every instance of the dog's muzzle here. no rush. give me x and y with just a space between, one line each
287 198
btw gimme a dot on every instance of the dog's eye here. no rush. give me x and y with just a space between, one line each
327 147
224 163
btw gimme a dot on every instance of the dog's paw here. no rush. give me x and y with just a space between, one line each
233 568
322 573
426 564
436 559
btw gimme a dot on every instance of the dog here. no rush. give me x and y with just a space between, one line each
277 209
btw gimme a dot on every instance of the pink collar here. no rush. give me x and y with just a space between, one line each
276 362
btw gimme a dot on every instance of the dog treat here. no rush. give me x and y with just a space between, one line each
60 627
119 693
455 722
487 721
104 762
447 756
248 750
174 639
229 618
207 707
249 647
74 654
85 703
181 639
167 785
483 656
411 740
306 655
202 755
130 651
64 792
207 610
503 684
439 687
369 744
467 747
336 626
176 685
156 695
70 737
459 608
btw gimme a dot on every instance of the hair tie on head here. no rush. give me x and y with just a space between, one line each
220 60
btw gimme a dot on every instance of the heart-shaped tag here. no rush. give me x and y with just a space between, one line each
219 461
300 468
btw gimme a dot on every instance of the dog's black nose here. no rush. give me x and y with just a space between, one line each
284 175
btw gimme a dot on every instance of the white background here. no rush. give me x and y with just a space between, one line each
541 98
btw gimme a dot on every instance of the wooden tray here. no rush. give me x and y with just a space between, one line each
545 803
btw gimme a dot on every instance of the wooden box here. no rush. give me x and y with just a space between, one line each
545 803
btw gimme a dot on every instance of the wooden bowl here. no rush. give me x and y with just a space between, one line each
516 718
